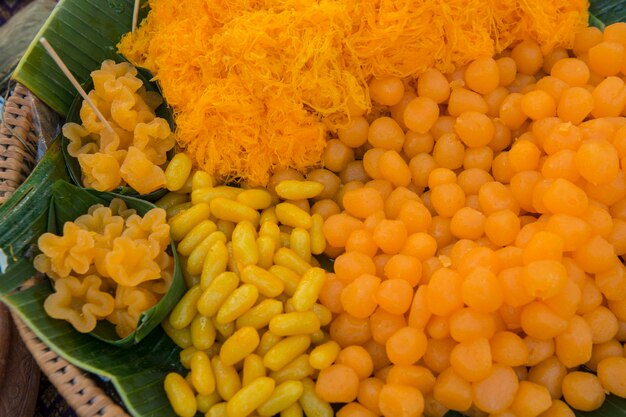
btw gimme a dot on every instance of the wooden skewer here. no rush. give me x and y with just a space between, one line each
74 82
135 15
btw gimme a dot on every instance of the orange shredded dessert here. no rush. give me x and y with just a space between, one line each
256 85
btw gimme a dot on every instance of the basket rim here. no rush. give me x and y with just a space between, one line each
73 384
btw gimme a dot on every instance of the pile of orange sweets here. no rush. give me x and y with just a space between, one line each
477 222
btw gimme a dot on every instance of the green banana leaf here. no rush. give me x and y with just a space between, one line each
24 215
84 33
137 374
73 115
605 12
69 202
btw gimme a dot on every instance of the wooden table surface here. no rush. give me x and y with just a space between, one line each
19 374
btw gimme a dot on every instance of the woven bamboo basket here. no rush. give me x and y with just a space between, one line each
18 150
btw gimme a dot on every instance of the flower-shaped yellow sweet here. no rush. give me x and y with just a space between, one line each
81 303
160 286
74 251
136 300
43 264
101 171
118 69
124 322
115 142
105 227
119 208
141 173
102 222
130 263
155 139
130 302
122 109
80 140
90 120
152 228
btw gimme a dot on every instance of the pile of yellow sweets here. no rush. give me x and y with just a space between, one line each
249 325
135 147
109 264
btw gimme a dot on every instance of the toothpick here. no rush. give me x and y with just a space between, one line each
135 15
74 82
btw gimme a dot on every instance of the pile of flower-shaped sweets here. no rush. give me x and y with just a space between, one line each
110 264
134 149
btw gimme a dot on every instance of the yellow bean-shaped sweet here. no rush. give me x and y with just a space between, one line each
196 259
217 410
202 373
182 337
322 356
207 194
272 230
186 188
242 343
226 227
180 395
185 311
300 243
248 398
217 292
177 172
260 315
268 215
283 396
319 337
297 369
292 215
257 199
232 264
289 278
323 313
285 351
205 402
289 308
185 356
312 405
308 289
225 330
245 250
318 241
298 190
171 199
236 190
175 210
267 284
226 378
195 237
202 332
253 368
214 264
183 222
190 280
268 339
237 303
285 239
201 179
291 324
266 247
233 211
288 258
294 410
